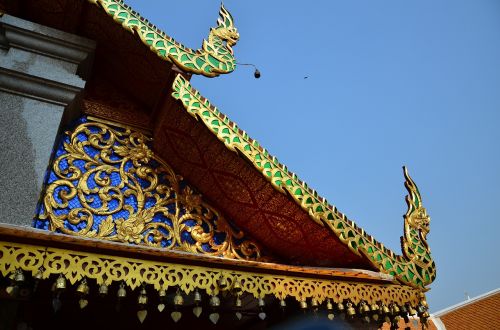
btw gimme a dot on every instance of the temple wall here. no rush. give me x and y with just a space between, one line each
42 75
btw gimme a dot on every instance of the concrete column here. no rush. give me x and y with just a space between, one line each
42 74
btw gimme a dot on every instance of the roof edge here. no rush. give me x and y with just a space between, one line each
415 267
466 302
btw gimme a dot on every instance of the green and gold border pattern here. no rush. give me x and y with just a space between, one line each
214 58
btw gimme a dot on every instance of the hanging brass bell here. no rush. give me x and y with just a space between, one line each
350 310
303 304
420 309
197 297
103 290
282 303
39 274
412 310
19 276
365 308
143 298
178 300
403 309
385 309
237 287
238 302
162 293
314 303
261 303
340 307
394 309
374 307
83 288
122 293
214 301
60 283
223 283
329 305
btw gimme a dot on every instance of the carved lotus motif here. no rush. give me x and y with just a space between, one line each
130 230
139 153
191 201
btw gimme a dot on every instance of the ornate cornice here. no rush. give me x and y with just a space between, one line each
44 262
415 267
214 58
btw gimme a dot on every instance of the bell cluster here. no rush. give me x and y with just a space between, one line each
232 294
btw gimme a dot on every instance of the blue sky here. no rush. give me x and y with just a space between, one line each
390 83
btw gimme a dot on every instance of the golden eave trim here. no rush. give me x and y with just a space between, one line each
19 234
77 265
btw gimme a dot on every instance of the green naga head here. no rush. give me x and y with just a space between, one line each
225 30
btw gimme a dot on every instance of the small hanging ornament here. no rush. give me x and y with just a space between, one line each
60 283
237 287
375 311
37 278
238 302
303 304
162 294
142 300
19 277
314 305
223 284
214 303
329 309
350 310
197 309
178 301
83 290
261 303
238 315
39 274
122 292
283 304
141 315
103 290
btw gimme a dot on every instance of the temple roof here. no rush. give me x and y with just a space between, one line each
319 210
232 170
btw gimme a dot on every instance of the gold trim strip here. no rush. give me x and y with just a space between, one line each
76 265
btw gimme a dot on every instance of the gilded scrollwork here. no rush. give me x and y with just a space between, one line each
106 182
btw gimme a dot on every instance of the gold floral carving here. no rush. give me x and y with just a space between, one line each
109 184
76 265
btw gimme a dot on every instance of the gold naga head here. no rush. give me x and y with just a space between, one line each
420 221
225 28
416 215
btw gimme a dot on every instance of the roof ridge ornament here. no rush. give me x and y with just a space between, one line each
414 267
214 58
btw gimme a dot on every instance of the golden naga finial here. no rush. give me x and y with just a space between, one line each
215 58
